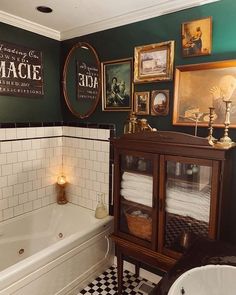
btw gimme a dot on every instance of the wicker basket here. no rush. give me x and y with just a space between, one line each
139 226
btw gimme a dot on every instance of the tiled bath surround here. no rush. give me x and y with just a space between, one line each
86 164
32 158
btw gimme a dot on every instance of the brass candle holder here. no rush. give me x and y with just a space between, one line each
131 124
197 116
210 137
226 141
61 195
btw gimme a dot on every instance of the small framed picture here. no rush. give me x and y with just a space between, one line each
154 62
197 37
141 103
160 102
117 86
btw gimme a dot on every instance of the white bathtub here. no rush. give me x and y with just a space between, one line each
206 280
62 246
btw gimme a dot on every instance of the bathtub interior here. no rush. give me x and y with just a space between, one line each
25 235
206 280
59 262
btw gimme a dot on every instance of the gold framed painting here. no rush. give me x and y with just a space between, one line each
196 36
141 103
154 62
160 102
117 85
200 86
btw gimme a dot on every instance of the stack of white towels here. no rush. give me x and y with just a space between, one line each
179 200
184 202
137 188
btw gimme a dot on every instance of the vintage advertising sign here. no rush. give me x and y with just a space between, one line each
87 81
21 71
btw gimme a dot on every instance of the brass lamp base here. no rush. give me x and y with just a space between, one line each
224 144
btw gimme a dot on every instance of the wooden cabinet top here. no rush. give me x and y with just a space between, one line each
170 142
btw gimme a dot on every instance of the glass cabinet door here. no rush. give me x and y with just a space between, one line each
187 202
136 197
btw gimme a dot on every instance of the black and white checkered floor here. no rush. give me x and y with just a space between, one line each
106 284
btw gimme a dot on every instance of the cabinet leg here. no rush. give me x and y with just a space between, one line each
119 271
137 268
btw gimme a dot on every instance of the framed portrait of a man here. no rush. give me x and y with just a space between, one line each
117 86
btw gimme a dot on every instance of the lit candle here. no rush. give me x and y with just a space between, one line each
61 180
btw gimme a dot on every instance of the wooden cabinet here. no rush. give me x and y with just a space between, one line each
169 188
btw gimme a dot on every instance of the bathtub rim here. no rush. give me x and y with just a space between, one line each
34 211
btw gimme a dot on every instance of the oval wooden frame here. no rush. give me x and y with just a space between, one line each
65 70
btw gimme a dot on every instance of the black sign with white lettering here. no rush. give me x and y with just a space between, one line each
87 81
21 70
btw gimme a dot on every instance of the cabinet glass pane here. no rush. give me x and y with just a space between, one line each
136 164
136 196
187 208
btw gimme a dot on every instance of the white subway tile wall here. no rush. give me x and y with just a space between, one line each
86 164
29 165
32 158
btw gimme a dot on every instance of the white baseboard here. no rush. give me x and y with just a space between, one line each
143 273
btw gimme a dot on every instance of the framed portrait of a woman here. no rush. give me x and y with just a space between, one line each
196 36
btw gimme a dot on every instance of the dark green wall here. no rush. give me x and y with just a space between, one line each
28 109
120 42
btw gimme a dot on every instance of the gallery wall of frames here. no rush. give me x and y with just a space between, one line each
167 97
143 68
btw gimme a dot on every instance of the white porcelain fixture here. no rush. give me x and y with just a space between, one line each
53 250
206 280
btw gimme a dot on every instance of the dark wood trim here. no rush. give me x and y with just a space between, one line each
160 147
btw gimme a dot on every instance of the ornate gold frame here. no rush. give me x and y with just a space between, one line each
160 109
137 108
200 86
191 32
148 68
123 71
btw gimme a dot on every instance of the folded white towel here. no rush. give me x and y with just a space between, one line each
136 193
186 206
137 177
137 185
137 188
193 210
142 201
196 197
